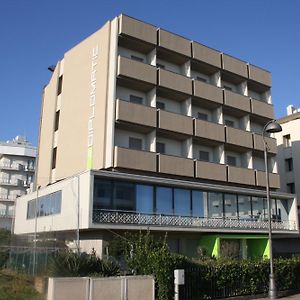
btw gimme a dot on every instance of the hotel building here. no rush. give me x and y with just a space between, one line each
144 129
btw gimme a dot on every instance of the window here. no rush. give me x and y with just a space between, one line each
54 152
231 160
201 79
228 88
199 204
229 123
291 188
160 66
164 200
140 59
215 205
102 194
46 205
136 99
160 148
244 207
160 105
182 202
59 85
287 140
230 205
56 123
144 199
135 143
289 164
124 196
203 155
202 116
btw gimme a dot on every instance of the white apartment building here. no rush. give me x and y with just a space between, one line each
17 167
288 143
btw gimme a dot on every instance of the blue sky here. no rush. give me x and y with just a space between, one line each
35 34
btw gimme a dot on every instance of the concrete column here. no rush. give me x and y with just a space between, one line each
267 96
151 57
247 160
219 155
151 141
243 88
151 98
186 107
218 115
245 123
216 79
187 148
186 69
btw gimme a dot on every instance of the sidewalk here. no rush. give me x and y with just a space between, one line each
291 297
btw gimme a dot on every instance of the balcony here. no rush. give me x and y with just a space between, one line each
210 171
10 182
135 113
260 75
120 217
235 66
13 166
174 42
175 122
176 165
239 137
137 29
262 109
175 82
259 144
10 198
134 159
208 92
207 55
136 70
274 179
236 101
209 130
241 175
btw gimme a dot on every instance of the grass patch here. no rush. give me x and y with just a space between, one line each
16 286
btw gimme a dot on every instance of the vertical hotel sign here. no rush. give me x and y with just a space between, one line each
92 103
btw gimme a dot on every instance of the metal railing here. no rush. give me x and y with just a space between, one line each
135 218
12 166
14 182
5 197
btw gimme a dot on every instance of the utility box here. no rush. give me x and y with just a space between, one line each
179 277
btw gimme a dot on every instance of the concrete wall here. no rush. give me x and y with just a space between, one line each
113 288
67 219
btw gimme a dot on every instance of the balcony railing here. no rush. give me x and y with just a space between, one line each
5 197
10 182
7 166
134 218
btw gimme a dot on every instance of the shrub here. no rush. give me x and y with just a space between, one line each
73 264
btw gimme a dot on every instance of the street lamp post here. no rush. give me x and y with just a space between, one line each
270 127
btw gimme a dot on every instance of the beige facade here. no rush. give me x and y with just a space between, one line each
117 79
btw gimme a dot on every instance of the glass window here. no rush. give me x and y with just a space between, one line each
144 199
164 200
124 196
202 116
258 208
287 140
160 66
215 205
137 58
203 155
282 210
56 123
231 160
102 194
229 123
136 99
199 204
160 105
135 143
182 202
244 207
160 148
201 79
291 187
59 85
230 205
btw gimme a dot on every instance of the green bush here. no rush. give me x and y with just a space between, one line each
210 278
73 264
